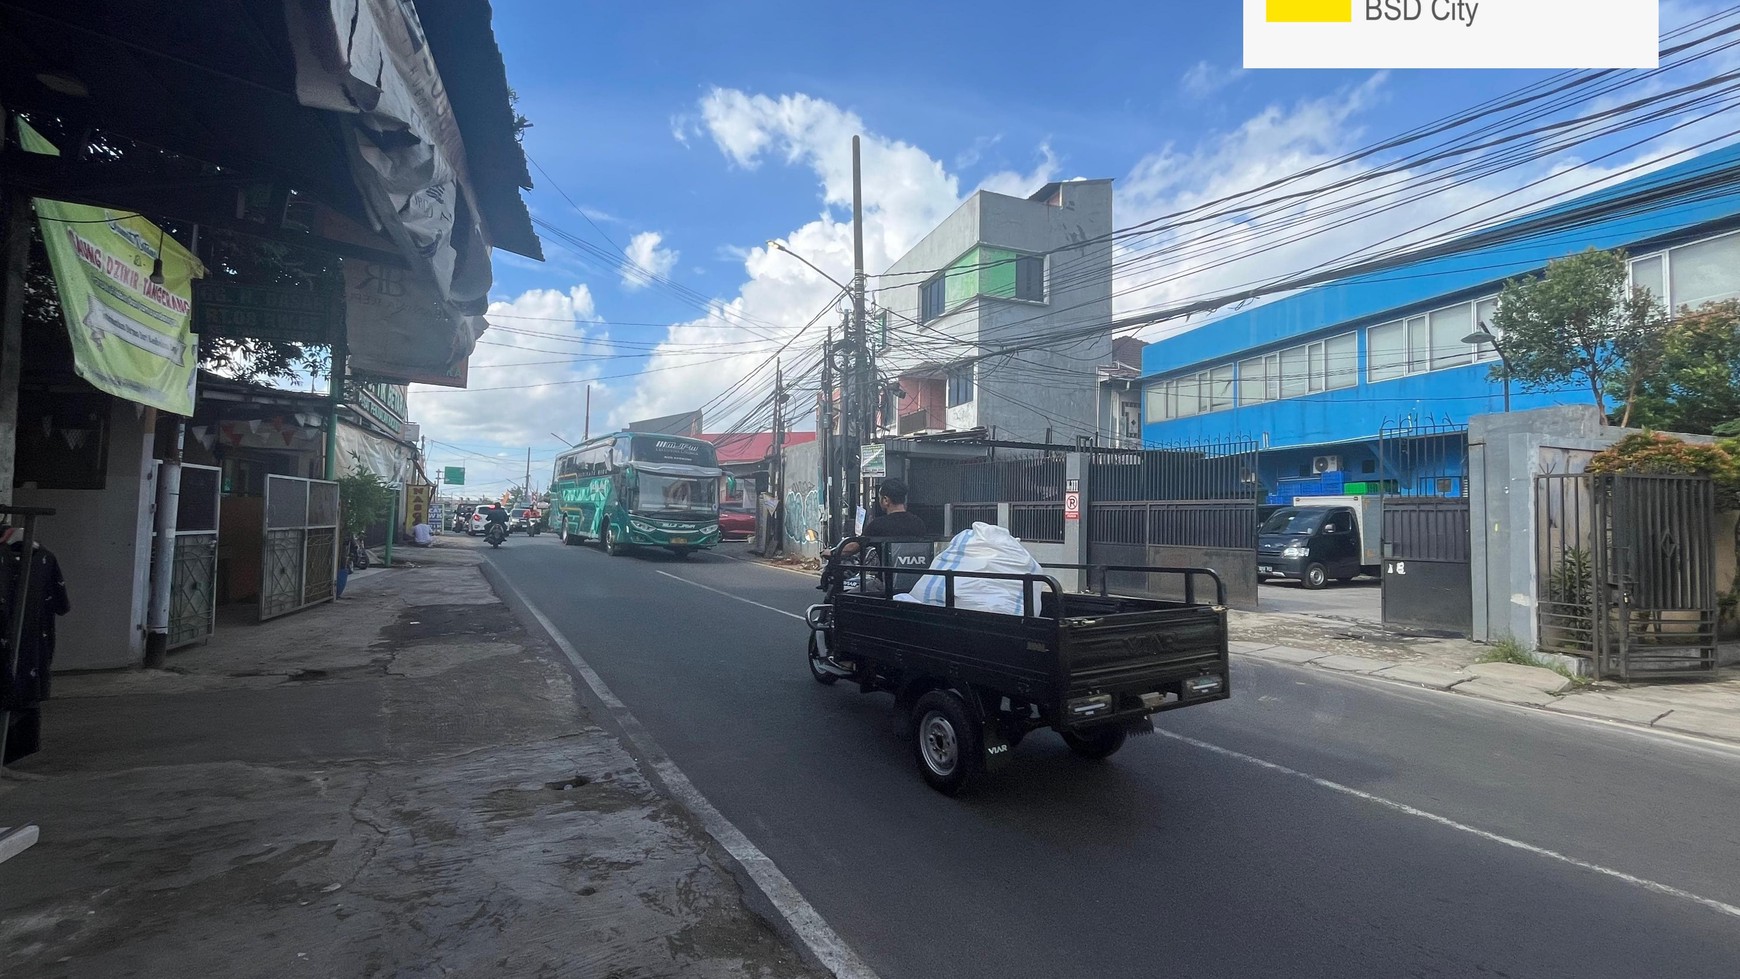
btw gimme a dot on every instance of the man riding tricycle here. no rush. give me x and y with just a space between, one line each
980 645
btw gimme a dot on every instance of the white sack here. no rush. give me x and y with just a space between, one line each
984 547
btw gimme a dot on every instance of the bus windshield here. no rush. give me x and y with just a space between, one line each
658 492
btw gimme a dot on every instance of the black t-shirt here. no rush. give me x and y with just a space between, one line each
496 515
902 523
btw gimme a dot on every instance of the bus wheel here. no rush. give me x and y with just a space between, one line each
613 544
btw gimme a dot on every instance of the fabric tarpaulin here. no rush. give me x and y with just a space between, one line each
130 336
386 458
397 328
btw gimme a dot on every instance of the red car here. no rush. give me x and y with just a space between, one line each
735 524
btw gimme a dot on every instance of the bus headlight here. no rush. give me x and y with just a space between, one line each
642 526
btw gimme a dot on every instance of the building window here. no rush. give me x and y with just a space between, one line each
1429 341
960 385
1692 274
1322 365
932 298
1648 273
1030 278
1704 271
1253 381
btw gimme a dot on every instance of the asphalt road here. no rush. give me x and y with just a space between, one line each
1311 826
1360 600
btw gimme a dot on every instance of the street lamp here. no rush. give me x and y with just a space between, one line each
774 243
1485 335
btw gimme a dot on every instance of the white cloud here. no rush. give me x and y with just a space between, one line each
1204 79
908 192
1019 184
650 262
521 385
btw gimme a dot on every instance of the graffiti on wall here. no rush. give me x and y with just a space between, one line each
803 513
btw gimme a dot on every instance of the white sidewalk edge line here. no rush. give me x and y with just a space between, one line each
1655 887
738 598
811 928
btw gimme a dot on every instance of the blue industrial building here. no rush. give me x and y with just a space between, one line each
1316 378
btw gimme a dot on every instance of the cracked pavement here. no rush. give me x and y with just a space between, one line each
398 784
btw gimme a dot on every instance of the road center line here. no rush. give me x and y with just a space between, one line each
1402 807
727 594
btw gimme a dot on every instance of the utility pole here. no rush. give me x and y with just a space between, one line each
776 476
857 358
825 434
526 487
586 432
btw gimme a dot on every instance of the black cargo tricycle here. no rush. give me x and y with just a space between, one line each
1092 666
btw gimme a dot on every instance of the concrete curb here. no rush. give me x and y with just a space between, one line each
766 889
1510 683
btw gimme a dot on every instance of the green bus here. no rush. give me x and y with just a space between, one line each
637 489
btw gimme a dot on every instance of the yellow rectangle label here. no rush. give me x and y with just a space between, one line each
1310 11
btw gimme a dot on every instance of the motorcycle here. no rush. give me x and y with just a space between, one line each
496 534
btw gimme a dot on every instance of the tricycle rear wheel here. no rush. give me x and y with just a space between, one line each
1097 742
944 740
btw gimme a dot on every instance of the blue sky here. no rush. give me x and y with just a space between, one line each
719 126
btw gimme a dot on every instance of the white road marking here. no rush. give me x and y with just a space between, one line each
727 594
815 932
1402 807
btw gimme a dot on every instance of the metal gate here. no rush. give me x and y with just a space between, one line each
193 583
1428 581
1186 505
299 556
1626 573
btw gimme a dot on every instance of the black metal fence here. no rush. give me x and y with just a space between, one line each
1192 523
1625 569
1423 457
1217 470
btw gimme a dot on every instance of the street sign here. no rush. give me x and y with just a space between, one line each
1072 506
1071 485
873 460
454 476
265 312
417 498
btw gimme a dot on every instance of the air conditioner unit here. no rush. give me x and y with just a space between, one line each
1326 464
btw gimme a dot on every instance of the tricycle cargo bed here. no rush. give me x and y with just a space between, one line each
973 683
1103 646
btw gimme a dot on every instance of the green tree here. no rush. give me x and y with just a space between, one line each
1580 323
1696 384
366 499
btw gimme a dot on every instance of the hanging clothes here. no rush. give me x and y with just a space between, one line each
22 693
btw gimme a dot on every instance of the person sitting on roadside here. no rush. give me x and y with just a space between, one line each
423 535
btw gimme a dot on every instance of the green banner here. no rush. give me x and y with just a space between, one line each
455 476
130 335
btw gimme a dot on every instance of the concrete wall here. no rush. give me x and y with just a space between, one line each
806 519
103 541
1007 395
1505 453
1054 389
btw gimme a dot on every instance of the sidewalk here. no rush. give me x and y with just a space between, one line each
401 783
1705 708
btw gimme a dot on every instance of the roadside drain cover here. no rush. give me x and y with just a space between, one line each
567 783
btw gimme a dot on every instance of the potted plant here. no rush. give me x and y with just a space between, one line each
364 499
